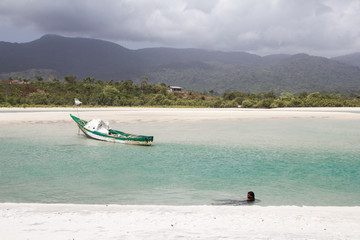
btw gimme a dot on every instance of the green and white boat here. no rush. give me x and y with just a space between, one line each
100 130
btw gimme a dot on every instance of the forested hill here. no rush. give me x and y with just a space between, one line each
200 70
351 59
70 56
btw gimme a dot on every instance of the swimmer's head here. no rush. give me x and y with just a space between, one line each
251 196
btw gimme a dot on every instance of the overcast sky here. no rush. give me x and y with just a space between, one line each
317 27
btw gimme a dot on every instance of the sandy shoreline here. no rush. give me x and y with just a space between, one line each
34 115
58 221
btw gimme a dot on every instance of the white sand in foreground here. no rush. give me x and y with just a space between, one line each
120 114
56 221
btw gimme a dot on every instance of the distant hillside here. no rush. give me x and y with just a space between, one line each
164 56
194 69
351 59
294 74
69 56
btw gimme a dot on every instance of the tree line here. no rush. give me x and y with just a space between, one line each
27 93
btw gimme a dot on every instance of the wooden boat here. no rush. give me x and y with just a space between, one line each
100 130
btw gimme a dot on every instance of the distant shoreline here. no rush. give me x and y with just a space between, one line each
140 114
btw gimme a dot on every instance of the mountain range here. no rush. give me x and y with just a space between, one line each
54 56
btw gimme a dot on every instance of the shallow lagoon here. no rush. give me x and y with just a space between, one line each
284 161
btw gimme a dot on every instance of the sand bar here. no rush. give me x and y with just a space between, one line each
56 221
123 114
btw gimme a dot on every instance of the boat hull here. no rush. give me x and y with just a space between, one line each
125 138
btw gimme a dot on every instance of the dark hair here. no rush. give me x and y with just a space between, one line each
252 194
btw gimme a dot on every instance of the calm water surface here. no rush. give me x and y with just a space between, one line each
284 161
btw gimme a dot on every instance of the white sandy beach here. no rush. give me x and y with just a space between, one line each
123 114
42 221
68 221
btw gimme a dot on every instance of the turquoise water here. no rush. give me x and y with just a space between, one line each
284 161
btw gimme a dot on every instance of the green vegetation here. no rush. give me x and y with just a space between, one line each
91 92
270 100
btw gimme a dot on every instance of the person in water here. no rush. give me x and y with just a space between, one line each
250 196
250 199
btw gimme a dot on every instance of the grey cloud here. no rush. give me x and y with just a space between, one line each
261 26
